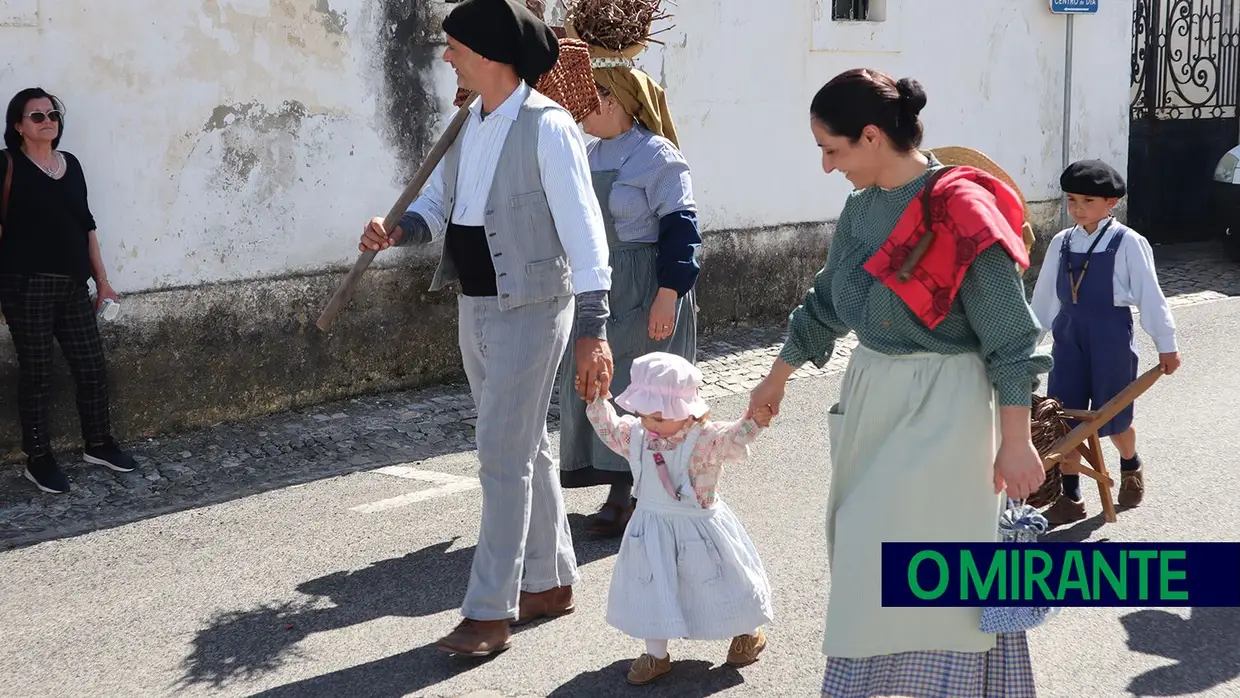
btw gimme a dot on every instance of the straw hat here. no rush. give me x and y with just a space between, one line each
956 155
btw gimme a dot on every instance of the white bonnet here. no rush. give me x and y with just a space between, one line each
663 383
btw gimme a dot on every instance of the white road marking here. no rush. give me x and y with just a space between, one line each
448 485
411 473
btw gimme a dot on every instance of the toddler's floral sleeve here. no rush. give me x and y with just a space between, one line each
732 440
722 443
614 431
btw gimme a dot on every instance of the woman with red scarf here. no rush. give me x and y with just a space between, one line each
933 421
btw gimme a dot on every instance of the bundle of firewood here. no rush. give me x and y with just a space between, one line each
616 24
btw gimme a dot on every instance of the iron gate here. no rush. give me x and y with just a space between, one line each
1184 117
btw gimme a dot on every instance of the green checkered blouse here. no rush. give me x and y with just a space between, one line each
990 315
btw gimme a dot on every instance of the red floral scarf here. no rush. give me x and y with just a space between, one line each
969 210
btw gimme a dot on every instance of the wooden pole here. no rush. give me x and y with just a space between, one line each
1100 417
1069 42
344 293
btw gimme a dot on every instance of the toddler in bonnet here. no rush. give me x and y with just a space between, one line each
686 567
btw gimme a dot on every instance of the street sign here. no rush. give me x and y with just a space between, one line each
1074 7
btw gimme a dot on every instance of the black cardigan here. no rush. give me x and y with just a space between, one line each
48 222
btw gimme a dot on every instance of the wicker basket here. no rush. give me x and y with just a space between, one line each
570 83
1049 425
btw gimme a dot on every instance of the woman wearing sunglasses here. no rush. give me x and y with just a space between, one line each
48 251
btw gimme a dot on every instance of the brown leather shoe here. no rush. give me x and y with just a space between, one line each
613 525
476 638
646 669
745 650
1065 510
1131 488
552 603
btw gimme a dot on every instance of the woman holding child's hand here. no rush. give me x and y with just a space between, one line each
933 417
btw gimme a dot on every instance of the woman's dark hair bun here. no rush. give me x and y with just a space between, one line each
912 96
863 97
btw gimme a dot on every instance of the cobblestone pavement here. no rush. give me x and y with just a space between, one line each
232 460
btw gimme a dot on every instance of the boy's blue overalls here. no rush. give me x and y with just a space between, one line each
1094 358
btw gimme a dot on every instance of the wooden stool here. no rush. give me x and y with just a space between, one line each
1084 439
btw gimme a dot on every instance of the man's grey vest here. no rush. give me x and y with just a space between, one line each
530 264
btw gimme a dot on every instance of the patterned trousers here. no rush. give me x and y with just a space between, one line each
41 308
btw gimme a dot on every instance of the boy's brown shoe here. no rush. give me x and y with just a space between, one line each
1131 487
745 649
552 603
476 638
646 669
1065 510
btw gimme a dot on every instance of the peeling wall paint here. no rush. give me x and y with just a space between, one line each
411 43
333 21
235 139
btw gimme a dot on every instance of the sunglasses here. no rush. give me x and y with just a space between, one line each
37 117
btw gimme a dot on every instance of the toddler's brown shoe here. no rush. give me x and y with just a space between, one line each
646 669
745 649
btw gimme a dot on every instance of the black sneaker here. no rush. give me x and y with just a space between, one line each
46 474
110 456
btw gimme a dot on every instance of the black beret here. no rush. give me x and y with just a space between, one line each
505 32
1093 178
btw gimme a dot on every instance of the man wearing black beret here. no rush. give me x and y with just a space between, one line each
523 236
1093 275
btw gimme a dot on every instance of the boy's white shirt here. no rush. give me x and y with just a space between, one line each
1135 282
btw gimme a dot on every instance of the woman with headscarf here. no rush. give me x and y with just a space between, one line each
646 195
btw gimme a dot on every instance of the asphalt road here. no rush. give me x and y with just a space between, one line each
294 593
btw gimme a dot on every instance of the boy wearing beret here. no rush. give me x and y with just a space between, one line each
1093 275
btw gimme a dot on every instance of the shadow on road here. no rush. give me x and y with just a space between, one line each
244 645
1205 647
1077 533
401 674
391 677
689 679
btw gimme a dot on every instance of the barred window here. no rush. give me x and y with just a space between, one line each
860 25
851 10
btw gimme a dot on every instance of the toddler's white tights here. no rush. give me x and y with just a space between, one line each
658 648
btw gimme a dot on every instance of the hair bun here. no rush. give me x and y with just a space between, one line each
912 96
